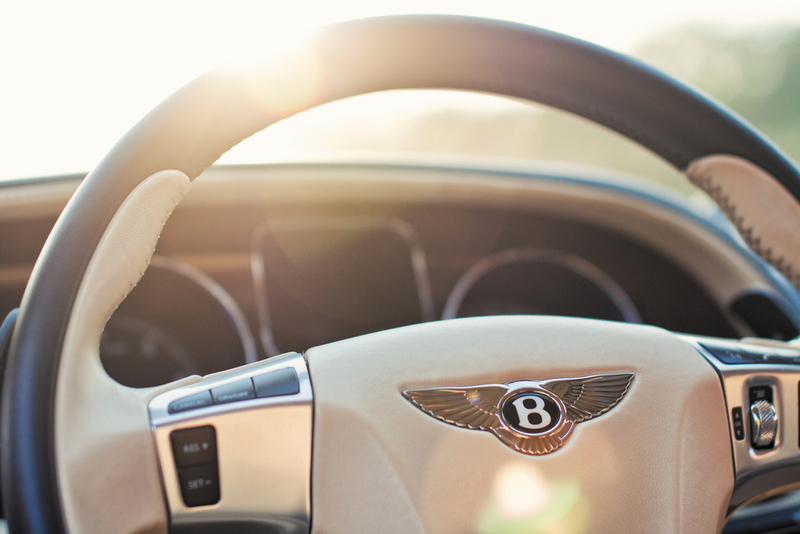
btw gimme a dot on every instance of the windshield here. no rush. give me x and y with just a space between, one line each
78 75
455 128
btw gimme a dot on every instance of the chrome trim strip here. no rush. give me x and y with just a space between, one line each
574 263
262 302
419 267
263 450
218 292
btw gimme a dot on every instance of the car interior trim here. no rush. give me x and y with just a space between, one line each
419 267
262 303
410 472
695 241
264 474
284 181
776 366
100 426
753 200
455 185
573 263
766 313
220 294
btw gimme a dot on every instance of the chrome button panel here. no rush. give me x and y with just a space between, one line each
760 384
262 475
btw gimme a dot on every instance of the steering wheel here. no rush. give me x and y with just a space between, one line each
455 426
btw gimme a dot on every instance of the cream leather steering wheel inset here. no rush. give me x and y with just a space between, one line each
258 449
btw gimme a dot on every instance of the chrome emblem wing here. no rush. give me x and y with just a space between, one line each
590 396
530 417
473 407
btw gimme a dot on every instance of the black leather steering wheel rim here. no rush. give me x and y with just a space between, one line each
192 128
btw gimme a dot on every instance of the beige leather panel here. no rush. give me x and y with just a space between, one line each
660 461
106 462
765 214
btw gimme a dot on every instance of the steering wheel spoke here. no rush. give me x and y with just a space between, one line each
235 448
399 463
397 441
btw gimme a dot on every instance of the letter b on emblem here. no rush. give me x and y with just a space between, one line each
531 413
524 413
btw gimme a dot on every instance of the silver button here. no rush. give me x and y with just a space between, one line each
763 423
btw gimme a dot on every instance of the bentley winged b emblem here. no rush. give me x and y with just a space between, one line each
529 416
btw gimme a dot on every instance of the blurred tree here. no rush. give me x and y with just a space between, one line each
756 73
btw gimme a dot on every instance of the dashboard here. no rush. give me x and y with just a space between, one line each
267 259
261 260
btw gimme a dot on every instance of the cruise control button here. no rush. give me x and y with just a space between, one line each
276 383
198 400
730 356
194 446
237 391
763 417
763 424
199 485
738 423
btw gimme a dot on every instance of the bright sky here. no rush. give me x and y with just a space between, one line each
76 75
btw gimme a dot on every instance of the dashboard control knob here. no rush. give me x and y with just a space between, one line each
763 424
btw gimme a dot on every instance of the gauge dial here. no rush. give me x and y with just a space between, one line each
528 281
176 322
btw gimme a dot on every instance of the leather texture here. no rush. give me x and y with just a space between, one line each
765 215
105 456
659 462
191 129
